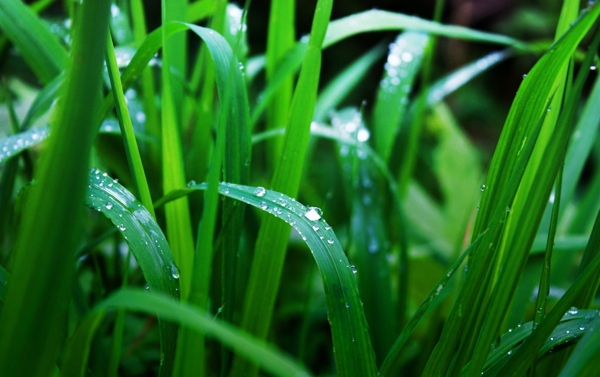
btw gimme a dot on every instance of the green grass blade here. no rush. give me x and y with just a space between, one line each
199 10
582 141
403 64
521 359
344 83
271 244
12 145
78 347
380 20
584 361
39 47
178 221
43 101
134 159
530 201
280 40
147 243
369 242
32 321
269 358
354 355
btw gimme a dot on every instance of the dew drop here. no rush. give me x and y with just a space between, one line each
347 305
313 213
191 183
263 205
260 191
330 241
315 227
174 271
122 228
524 76
482 188
573 310
353 269
108 206
592 68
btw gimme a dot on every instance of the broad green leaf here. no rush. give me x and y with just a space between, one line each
147 243
33 319
270 359
39 47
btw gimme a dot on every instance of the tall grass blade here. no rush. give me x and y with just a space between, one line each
273 236
584 361
32 321
280 40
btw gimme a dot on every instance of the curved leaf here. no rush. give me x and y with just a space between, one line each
146 241
194 318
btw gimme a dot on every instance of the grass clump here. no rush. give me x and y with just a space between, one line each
215 176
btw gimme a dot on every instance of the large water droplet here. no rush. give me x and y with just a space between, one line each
313 213
108 206
573 310
174 271
260 191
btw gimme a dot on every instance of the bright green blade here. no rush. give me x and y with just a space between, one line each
38 46
33 319
280 40
188 315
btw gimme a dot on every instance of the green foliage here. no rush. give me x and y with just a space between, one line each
440 256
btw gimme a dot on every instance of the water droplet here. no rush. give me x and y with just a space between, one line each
581 328
122 228
482 188
573 310
260 191
353 269
191 183
263 205
347 305
509 352
174 271
147 287
524 76
330 241
315 227
108 206
592 68
313 213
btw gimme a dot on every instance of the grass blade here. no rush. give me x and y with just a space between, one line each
33 317
79 345
379 20
39 47
197 319
401 68
273 236
147 243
